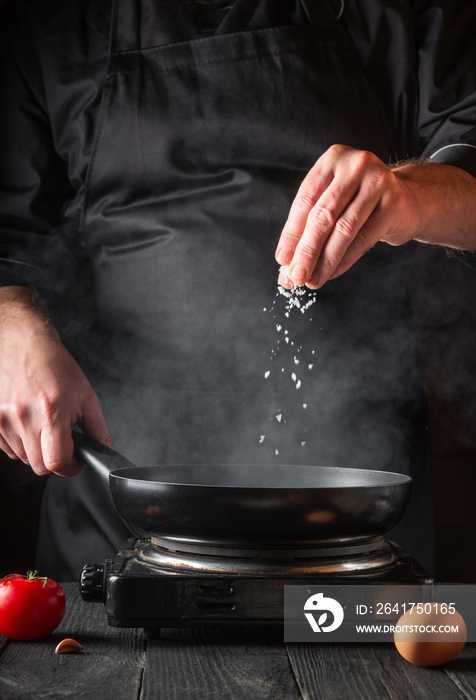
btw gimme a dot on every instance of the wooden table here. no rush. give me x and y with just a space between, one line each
201 664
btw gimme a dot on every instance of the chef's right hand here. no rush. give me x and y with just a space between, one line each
43 391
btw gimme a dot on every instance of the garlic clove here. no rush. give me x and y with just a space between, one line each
68 646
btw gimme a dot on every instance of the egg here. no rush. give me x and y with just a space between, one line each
430 634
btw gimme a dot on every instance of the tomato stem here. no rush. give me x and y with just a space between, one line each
33 576
30 576
5 578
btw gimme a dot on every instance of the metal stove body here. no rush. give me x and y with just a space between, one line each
157 582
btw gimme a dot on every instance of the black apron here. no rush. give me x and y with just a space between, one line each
201 146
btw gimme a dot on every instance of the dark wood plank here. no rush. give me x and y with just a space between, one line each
111 667
216 663
219 663
462 671
4 642
367 672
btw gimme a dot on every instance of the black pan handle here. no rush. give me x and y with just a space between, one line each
102 459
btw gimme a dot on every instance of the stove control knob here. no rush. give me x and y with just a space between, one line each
92 582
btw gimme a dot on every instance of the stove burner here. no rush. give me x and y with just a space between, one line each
183 557
153 584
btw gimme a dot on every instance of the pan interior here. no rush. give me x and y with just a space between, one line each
265 476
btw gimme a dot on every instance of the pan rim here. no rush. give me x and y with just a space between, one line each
399 480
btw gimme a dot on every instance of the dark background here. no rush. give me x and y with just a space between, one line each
444 295
444 301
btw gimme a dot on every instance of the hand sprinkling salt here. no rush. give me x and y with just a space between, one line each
295 294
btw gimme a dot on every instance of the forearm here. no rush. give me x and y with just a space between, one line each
23 313
445 203
12 296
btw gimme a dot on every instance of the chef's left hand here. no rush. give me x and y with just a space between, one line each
350 200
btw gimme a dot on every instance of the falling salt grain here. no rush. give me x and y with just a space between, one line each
279 417
276 452
303 443
266 374
298 384
304 405
293 377
296 361
261 438
310 366
309 303
278 327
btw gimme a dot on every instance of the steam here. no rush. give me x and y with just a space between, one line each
222 385
339 366
359 378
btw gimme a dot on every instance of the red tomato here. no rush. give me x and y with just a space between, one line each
30 606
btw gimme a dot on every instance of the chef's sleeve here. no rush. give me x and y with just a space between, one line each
33 178
445 34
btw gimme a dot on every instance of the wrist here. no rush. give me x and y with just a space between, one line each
22 297
443 203
22 307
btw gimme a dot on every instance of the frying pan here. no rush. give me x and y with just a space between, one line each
249 505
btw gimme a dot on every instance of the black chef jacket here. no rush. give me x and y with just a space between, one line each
54 61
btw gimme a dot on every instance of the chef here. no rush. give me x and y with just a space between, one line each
152 151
